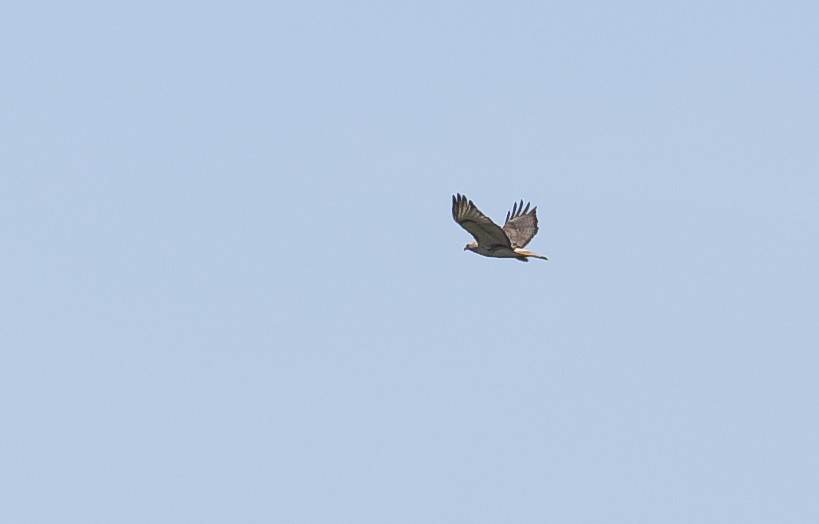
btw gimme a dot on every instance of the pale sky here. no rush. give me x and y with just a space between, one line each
232 289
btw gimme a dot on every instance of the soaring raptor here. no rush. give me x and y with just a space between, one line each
490 239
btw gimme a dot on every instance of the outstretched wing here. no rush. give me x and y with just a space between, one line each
521 224
486 232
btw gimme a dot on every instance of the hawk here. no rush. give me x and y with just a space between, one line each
490 239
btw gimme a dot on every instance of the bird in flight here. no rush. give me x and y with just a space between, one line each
490 239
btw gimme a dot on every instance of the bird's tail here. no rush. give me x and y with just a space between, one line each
525 253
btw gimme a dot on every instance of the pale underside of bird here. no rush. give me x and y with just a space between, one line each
491 240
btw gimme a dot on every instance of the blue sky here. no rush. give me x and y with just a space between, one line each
232 290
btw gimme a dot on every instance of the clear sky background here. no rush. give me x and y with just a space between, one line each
232 289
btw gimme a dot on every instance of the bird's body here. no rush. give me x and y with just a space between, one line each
490 239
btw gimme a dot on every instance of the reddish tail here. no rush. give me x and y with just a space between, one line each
525 254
